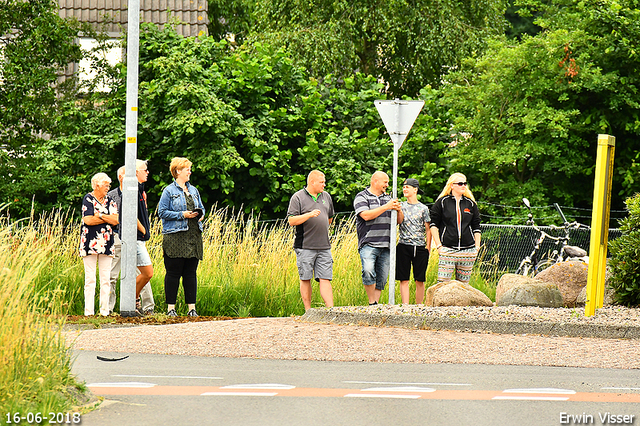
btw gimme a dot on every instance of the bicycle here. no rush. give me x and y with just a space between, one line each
531 265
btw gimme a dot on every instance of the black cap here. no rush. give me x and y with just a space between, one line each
413 182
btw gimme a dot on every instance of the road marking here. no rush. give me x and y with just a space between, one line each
166 377
380 395
137 385
260 386
541 390
357 382
400 389
104 389
239 393
532 398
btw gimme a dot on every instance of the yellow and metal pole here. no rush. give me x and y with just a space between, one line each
600 224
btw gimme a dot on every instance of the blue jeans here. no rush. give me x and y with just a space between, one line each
375 265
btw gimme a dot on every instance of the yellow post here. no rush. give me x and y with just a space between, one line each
600 224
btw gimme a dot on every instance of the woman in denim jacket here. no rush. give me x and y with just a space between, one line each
181 211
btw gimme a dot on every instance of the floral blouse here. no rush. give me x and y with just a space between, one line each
96 239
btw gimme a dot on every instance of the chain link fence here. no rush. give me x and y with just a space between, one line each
504 246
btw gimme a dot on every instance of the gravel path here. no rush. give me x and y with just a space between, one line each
609 315
293 339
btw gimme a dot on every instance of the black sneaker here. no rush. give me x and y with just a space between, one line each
192 313
373 304
172 313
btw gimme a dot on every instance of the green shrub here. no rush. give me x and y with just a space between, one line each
625 256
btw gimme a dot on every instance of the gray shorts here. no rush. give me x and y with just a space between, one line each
142 255
314 262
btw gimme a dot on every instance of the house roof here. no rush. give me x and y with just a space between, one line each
192 14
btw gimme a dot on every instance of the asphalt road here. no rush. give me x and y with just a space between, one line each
180 390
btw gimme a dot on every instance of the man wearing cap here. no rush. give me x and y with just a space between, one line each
414 242
311 212
373 225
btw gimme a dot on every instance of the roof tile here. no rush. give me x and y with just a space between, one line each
193 14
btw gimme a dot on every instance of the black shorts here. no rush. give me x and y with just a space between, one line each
408 255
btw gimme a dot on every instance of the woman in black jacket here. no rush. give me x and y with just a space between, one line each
455 228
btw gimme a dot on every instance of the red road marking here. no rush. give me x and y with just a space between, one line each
478 395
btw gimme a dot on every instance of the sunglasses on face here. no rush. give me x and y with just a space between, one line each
460 183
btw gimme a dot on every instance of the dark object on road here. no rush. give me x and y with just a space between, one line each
101 358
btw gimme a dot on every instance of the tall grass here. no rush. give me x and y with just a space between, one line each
35 372
249 267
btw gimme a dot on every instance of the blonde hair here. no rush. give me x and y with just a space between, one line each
178 163
98 178
456 177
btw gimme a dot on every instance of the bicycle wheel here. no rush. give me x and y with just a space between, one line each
543 264
525 269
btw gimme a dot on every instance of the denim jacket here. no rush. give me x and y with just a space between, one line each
172 203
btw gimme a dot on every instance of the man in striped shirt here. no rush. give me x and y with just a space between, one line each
373 223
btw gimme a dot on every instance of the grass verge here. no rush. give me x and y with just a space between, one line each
35 366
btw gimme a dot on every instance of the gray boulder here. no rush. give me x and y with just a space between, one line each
519 290
455 293
609 292
569 277
508 281
609 296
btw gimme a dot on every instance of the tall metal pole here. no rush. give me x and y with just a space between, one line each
600 224
129 219
394 213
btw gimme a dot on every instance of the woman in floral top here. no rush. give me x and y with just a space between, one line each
99 214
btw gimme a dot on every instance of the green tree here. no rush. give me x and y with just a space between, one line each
238 114
36 45
231 19
250 119
255 124
526 115
406 44
521 21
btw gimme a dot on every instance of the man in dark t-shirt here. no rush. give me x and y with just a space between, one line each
311 212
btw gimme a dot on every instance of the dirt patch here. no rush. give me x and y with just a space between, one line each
117 320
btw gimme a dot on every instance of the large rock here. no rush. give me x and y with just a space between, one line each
609 296
545 295
509 281
609 292
455 293
569 277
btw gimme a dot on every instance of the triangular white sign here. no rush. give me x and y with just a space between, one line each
398 117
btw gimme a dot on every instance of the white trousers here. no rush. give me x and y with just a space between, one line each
104 264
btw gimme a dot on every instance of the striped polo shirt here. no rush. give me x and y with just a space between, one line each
375 232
